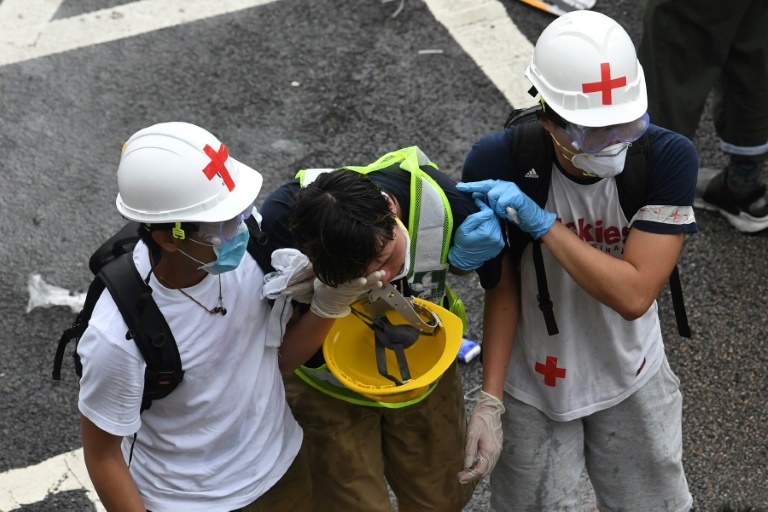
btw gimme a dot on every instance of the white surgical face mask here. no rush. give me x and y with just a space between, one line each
407 261
606 163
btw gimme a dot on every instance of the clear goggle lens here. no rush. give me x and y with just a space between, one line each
595 139
217 233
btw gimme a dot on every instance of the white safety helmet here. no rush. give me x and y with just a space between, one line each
585 68
179 172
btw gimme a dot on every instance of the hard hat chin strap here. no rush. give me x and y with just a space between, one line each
394 337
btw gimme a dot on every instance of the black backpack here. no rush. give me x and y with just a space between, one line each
113 266
533 149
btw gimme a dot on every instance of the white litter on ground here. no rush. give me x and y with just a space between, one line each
44 295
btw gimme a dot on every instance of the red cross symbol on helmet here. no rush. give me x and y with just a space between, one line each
606 84
216 165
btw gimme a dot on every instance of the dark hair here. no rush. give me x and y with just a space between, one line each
342 222
145 233
548 113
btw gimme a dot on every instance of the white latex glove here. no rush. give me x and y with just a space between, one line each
329 302
484 438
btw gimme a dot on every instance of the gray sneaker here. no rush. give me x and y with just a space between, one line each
748 214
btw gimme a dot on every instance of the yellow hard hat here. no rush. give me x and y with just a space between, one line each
350 351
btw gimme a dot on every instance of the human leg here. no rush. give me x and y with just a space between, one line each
741 103
540 463
342 442
634 450
423 446
679 80
741 119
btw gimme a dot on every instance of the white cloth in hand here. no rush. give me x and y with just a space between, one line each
329 302
293 279
484 438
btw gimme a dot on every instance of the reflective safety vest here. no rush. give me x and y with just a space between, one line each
430 225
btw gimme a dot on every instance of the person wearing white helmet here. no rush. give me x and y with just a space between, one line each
579 377
224 439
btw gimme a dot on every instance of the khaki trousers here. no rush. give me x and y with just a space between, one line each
354 450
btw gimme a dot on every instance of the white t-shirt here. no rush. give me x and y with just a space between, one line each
225 435
598 358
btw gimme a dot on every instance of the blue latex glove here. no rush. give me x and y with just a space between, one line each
477 239
509 202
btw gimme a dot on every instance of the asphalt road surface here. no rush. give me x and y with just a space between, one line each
290 84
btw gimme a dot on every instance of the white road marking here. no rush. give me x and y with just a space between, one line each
65 472
27 31
481 27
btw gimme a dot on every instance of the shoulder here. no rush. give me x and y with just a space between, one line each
674 168
461 204
273 223
672 154
279 201
672 184
666 144
490 157
106 331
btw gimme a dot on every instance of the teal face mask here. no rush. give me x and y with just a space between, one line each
228 254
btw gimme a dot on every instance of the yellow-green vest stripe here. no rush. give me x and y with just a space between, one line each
430 225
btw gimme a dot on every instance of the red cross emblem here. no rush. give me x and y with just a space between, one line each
550 371
216 165
606 83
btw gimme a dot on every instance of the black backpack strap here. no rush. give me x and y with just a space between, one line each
146 326
632 185
681 317
545 303
77 329
533 155
632 182
121 242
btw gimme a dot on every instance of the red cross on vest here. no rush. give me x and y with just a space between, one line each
216 165
606 83
550 371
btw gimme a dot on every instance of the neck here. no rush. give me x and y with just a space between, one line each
176 271
564 158
567 166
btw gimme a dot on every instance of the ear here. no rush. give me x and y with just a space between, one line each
548 124
165 240
392 202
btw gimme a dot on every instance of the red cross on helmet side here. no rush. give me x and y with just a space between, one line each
585 67
179 172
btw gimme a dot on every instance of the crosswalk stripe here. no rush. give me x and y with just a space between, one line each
65 472
27 31
483 30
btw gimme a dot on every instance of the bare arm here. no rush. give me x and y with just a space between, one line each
627 286
304 335
107 469
500 318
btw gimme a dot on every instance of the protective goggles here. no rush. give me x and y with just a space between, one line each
595 139
217 233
